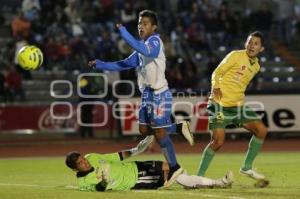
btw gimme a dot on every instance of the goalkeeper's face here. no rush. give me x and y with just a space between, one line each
82 164
145 27
253 46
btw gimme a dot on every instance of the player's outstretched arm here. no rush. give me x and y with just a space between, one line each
141 147
131 62
150 50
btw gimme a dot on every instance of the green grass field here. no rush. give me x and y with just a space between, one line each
49 178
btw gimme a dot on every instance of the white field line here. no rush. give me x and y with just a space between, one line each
36 185
190 194
25 185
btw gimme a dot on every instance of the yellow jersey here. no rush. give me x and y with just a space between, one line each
232 76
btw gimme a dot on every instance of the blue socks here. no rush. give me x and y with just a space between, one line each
168 150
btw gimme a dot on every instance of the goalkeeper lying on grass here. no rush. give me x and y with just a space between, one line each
101 172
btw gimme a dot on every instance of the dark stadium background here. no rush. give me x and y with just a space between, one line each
196 34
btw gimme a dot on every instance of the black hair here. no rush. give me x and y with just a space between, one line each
151 15
71 159
259 35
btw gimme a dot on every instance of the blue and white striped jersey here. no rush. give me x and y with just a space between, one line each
151 70
148 59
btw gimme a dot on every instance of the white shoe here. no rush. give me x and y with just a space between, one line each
186 132
183 178
187 181
252 174
227 180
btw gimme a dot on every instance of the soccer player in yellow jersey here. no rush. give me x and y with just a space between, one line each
226 104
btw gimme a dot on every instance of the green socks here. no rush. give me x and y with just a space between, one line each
207 156
254 147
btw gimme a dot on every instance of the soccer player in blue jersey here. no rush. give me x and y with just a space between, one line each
150 63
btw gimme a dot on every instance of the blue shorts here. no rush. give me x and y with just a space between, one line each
156 109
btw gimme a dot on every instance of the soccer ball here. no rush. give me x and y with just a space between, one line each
30 57
261 183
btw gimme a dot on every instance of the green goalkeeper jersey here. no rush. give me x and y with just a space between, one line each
118 175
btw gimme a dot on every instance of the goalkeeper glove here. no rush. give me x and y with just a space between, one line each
142 145
92 64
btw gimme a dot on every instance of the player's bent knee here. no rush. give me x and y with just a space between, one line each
217 144
263 131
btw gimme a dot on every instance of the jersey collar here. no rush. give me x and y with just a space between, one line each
153 34
251 61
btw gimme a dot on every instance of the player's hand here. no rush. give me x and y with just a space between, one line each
92 64
118 25
217 93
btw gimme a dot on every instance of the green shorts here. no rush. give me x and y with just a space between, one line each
222 117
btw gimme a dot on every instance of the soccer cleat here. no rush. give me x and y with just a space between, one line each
184 128
252 174
227 180
173 175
